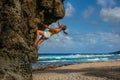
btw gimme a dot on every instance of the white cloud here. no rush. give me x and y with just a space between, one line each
101 2
110 12
93 41
69 9
87 13
94 23
106 3
97 40
111 15
109 37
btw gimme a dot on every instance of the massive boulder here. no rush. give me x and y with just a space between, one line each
18 32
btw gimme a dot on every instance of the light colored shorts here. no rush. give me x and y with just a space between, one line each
47 34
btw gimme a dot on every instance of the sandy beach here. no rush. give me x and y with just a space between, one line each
109 70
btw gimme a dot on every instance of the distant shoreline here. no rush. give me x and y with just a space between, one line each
53 67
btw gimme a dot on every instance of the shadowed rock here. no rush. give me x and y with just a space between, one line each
17 34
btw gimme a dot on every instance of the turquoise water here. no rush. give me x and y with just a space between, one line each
46 60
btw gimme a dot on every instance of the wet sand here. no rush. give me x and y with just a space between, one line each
109 70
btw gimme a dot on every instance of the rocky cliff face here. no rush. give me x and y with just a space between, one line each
17 34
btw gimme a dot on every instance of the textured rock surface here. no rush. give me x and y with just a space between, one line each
17 34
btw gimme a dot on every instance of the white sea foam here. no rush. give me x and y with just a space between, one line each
61 59
72 56
96 59
49 57
104 59
54 61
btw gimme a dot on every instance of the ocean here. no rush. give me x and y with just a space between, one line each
48 60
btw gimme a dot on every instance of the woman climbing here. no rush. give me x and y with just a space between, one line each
47 34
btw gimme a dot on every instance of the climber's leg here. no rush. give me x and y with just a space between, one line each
38 32
40 41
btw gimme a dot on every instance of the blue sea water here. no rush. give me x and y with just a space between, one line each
46 60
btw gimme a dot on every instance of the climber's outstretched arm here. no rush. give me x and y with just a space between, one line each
45 25
59 23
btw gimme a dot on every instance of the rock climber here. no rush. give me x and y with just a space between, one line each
48 33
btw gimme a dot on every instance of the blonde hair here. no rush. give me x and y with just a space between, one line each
36 20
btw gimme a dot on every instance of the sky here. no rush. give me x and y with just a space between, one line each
93 26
